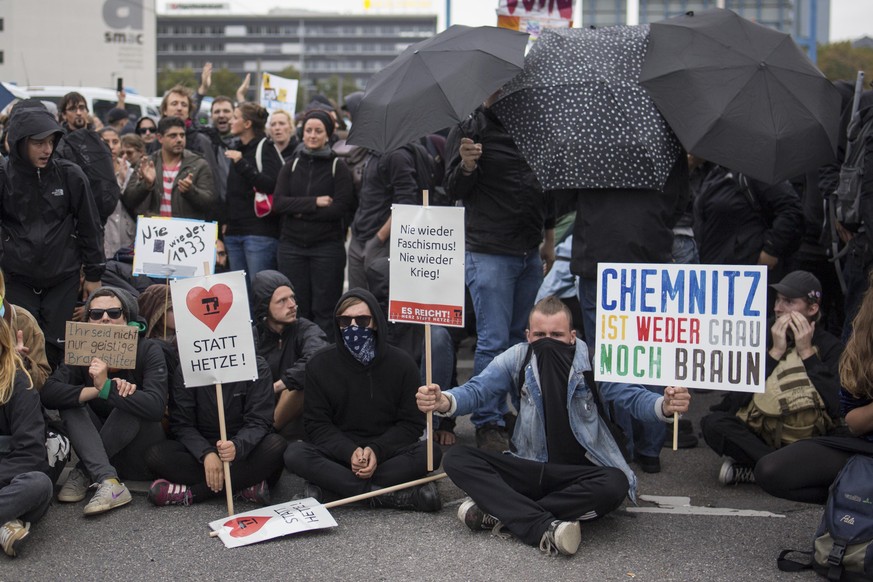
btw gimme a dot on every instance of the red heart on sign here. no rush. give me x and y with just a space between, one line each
245 526
210 306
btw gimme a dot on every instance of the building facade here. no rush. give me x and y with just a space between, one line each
320 46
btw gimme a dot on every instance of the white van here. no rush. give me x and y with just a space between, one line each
99 100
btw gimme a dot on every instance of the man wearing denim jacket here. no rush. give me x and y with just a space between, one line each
563 468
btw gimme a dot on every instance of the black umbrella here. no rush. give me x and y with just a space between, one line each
742 95
579 116
434 84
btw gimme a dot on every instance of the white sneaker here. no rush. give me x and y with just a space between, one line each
562 537
110 494
12 534
75 487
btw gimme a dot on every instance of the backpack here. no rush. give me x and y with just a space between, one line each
842 548
845 201
789 409
85 148
426 175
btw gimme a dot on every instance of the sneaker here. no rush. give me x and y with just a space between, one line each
492 437
733 473
163 493
419 498
649 464
473 517
12 534
110 494
259 493
314 491
74 488
562 538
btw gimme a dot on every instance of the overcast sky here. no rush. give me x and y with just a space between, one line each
850 19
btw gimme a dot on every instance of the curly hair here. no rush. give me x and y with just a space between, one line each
856 363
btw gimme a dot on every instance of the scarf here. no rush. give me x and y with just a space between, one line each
361 343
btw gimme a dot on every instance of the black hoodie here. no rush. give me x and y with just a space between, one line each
286 352
21 418
50 226
350 405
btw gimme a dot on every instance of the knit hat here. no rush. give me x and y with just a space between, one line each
322 116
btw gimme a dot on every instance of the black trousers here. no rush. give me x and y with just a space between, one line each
728 435
171 460
316 466
51 306
527 496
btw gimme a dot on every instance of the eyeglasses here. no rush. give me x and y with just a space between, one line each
112 312
360 320
145 130
75 108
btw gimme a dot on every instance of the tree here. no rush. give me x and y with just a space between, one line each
224 82
840 60
330 87
171 77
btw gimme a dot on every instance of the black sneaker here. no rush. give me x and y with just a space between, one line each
649 464
492 437
314 491
474 518
733 473
419 498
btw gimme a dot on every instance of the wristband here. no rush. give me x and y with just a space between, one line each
104 392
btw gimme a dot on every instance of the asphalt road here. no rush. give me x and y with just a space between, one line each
142 542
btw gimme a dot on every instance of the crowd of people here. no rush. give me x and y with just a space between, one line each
341 397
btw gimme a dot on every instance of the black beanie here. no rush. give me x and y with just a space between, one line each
322 116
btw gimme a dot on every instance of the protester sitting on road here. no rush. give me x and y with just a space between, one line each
805 470
29 339
564 468
803 384
25 488
251 240
190 467
112 416
360 417
285 341
314 197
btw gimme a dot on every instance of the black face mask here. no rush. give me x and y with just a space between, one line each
553 355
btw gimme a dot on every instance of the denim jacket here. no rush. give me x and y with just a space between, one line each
529 439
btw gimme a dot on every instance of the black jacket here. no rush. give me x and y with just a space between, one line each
387 179
300 182
21 418
242 179
730 230
506 209
248 414
50 227
148 402
628 226
349 405
286 353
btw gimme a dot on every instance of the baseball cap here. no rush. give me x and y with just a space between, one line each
799 284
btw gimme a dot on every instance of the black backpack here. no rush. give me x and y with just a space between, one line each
427 175
86 149
843 543
845 202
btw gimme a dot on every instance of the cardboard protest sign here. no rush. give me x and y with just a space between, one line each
114 344
698 326
213 329
427 265
275 521
173 247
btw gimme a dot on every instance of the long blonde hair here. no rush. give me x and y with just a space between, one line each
856 363
10 363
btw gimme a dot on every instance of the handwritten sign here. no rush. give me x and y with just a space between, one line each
173 247
114 344
427 265
278 93
689 325
213 329
271 522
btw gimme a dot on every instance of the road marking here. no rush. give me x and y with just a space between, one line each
682 506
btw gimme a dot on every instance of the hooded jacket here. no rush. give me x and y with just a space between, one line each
287 352
350 405
21 418
48 217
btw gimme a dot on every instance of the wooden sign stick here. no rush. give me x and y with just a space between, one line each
223 430
675 431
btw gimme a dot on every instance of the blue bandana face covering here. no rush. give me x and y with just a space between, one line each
361 343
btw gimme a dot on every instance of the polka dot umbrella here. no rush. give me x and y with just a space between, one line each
579 115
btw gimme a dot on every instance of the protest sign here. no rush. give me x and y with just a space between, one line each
213 329
278 93
173 247
682 325
427 265
271 522
533 17
114 344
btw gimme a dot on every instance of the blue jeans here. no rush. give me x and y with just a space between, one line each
643 438
251 253
503 289
685 250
